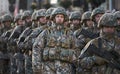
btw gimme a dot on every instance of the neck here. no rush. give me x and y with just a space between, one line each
59 26
107 35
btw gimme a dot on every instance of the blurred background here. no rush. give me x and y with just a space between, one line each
15 6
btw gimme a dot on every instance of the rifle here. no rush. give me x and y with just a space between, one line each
111 57
89 34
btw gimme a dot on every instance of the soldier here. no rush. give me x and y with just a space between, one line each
86 19
48 14
75 18
55 47
34 20
26 17
100 55
41 21
17 60
88 26
6 31
96 14
117 15
67 22
6 20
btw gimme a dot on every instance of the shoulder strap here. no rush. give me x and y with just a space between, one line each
99 43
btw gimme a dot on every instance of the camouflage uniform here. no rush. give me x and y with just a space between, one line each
54 49
96 64
5 56
1 25
48 14
75 16
95 30
17 60
95 12
117 15
85 32
34 20
36 31
26 17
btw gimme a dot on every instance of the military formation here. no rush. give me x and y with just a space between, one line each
55 41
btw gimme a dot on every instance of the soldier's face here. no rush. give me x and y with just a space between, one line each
76 22
108 30
7 23
42 20
89 23
59 19
97 17
20 22
28 19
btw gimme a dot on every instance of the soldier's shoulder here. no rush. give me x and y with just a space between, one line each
77 32
95 41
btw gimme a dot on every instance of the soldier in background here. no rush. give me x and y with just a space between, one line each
17 64
88 26
48 14
75 18
108 42
117 15
1 25
26 16
41 21
6 31
95 16
34 20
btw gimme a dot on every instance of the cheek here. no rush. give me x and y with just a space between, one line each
97 19
62 19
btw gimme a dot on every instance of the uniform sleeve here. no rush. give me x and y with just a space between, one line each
38 47
88 59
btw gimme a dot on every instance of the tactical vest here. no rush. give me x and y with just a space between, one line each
58 46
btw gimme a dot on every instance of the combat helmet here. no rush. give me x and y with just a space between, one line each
17 17
75 15
34 16
26 14
107 19
40 13
117 14
58 10
97 11
86 16
7 17
49 12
